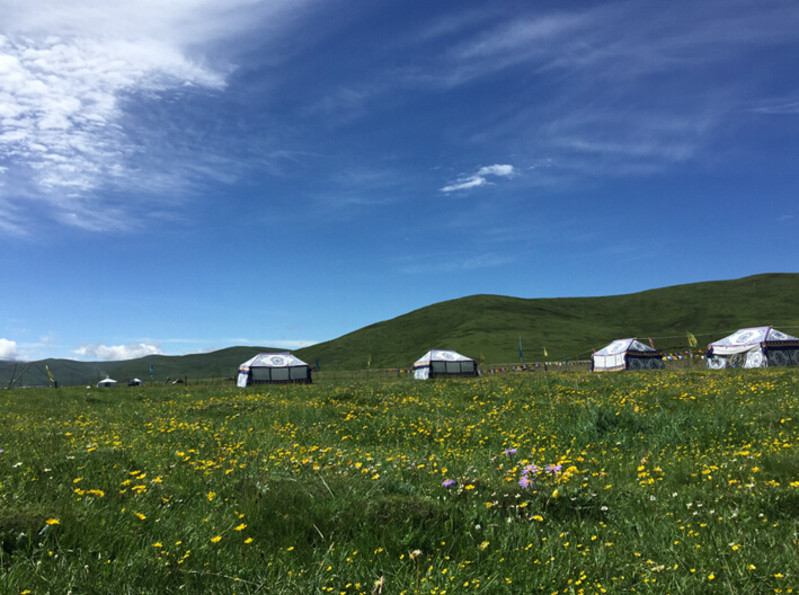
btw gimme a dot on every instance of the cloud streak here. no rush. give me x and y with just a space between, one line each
615 89
117 352
480 178
69 74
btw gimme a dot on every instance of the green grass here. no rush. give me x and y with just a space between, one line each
679 482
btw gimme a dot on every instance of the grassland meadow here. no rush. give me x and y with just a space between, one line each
649 482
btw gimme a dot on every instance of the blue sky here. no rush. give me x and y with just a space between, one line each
190 175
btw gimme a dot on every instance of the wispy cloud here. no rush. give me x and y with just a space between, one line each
454 263
61 109
480 178
789 108
117 352
69 74
615 89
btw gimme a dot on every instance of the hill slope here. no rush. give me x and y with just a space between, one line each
490 326
568 327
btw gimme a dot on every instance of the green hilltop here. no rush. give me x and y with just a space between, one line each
488 327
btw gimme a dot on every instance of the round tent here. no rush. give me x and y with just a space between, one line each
626 354
441 362
273 368
756 347
106 382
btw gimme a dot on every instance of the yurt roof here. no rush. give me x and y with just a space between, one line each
441 355
746 338
272 360
625 345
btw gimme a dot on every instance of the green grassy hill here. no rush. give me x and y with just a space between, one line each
568 327
489 326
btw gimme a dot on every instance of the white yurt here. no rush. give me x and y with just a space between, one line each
275 368
107 382
626 354
756 347
441 362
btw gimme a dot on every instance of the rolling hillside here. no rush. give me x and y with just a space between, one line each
489 326
568 327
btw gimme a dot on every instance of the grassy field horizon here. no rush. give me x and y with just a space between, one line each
488 328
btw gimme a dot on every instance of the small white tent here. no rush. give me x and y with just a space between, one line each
626 354
757 347
107 382
440 362
273 367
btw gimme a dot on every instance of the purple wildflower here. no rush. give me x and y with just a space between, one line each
448 483
553 468
525 481
531 470
510 451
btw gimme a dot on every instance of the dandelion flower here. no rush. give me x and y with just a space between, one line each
216 539
53 522
141 516
240 527
248 540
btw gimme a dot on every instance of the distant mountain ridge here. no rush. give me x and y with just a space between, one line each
490 327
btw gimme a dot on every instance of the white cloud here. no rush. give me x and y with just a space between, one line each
118 352
68 71
479 178
8 349
61 105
